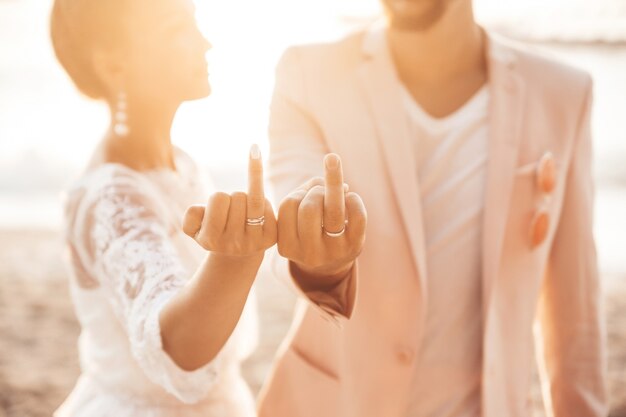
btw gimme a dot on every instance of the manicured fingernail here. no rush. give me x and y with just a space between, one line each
332 161
345 187
255 152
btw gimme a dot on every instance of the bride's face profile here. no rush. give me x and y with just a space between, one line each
151 51
165 54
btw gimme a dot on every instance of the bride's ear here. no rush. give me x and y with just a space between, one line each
110 69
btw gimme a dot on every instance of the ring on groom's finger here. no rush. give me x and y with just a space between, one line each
257 221
335 234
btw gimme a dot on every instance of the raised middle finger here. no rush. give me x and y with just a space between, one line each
256 197
334 199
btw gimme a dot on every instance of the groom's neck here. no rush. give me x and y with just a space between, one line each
450 47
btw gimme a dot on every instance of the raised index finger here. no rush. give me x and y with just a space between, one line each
256 196
334 201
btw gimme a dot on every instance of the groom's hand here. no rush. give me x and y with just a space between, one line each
321 227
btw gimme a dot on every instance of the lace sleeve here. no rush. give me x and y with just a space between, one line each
140 271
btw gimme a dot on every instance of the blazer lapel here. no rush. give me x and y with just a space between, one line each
378 78
506 113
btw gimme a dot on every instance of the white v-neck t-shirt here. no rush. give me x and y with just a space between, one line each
451 154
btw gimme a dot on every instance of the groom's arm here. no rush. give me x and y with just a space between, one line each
297 150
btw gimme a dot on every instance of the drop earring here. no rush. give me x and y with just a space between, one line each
120 126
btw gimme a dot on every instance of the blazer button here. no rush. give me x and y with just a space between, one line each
405 356
546 173
539 228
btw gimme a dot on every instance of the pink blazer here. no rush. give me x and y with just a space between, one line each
539 257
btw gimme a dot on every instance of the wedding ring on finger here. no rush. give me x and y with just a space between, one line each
335 234
257 221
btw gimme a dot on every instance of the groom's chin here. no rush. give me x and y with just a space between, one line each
414 16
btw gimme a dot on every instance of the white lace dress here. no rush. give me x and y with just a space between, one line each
129 256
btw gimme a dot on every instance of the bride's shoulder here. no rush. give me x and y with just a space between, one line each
105 176
104 183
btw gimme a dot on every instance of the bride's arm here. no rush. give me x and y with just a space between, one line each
198 321
126 243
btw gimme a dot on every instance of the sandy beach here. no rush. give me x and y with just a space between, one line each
38 329
39 362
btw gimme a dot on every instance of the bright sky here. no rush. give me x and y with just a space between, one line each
42 114
248 38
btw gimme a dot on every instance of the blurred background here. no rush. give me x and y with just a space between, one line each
47 131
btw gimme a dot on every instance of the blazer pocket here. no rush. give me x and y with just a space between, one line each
303 389
318 343
306 358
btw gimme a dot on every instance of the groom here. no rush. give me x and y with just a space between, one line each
473 160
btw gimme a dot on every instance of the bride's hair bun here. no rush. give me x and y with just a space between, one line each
77 27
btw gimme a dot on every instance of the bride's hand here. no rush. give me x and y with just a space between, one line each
237 229
236 225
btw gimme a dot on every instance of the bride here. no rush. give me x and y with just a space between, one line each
164 326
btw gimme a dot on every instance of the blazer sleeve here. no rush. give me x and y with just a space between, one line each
570 309
297 149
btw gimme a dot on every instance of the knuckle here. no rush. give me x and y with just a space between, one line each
283 228
238 202
314 181
215 210
194 212
354 199
219 197
191 224
307 211
290 202
283 212
317 190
